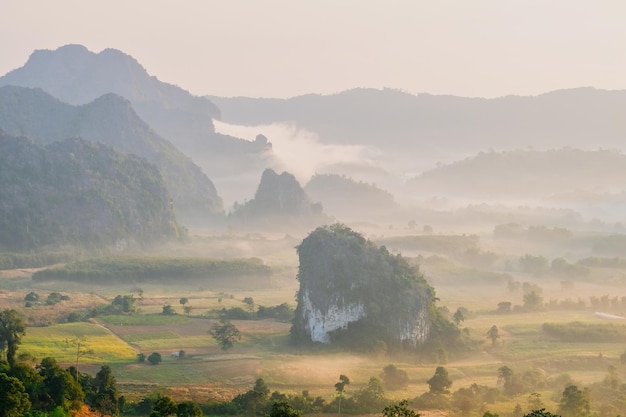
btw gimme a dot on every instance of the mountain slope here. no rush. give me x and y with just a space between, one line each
78 76
79 193
526 174
111 120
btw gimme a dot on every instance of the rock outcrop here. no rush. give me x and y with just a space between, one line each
352 289
279 203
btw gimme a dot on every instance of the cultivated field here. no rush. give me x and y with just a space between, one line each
206 373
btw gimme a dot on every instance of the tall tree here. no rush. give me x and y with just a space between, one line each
105 398
493 334
14 400
12 328
574 402
340 388
59 387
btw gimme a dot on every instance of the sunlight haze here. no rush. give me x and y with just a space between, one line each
282 48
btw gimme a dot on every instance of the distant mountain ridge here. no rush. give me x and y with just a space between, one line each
111 120
78 76
416 131
526 174
79 193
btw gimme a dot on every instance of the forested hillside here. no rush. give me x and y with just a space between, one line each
76 192
526 173
111 120
78 76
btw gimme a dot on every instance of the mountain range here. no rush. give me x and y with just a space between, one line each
111 120
556 149
77 76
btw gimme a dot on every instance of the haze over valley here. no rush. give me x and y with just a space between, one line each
342 223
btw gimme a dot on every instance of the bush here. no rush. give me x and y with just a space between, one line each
154 358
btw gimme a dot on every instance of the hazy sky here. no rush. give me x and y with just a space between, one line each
281 48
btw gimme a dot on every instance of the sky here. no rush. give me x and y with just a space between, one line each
285 48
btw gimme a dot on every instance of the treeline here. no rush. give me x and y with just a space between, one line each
33 260
452 244
282 312
582 332
146 268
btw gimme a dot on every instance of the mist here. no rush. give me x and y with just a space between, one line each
299 151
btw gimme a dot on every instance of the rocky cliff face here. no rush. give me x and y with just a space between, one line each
349 288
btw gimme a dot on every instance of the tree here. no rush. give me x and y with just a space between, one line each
164 406
394 378
13 397
79 342
458 317
168 310
12 328
371 398
154 358
104 396
533 301
254 401
493 334
400 409
126 303
540 413
340 388
225 333
60 388
183 301
189 409
504 307
32 297
250 302
187 309
440 381
284 409
574 402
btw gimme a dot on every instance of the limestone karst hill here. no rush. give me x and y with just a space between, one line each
351 290
279 204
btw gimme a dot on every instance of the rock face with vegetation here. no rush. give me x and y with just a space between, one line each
352 289
111 120
76 192
279 202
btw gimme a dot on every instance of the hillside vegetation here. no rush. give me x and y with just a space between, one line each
79 193
111 120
